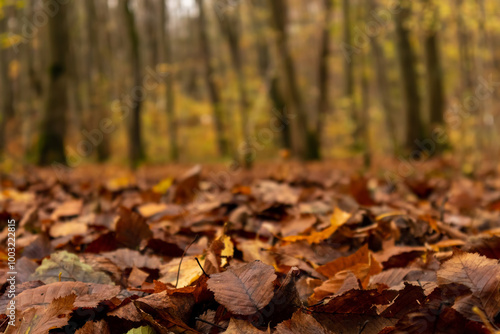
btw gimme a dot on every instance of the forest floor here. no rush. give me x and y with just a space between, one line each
284 248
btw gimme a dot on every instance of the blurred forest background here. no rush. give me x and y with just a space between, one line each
158 81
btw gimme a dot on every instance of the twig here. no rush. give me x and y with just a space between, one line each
362 328
199 264
209 323
441 208
182 258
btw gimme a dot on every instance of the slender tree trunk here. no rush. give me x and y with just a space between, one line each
6 104
349 72
166 50
383 84
365 112
270 75
464 50
229 25
435 89
407 59
307 136
136 151
53 124
213 90
323 70
97 88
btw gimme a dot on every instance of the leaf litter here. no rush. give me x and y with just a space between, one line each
258 252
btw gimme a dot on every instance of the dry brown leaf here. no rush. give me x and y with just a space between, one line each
150 209
127 258
237 326
88 294
41 319
244 289
137 277
480 274
61 229
186 186
67 209
342 281
301 323
131 229
92 327
362 264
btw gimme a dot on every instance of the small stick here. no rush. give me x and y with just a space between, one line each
182 258
199 264
441 209
362 328
209 323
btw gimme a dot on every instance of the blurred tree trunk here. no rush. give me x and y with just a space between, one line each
323 73
228 20
152 34
166 50
383 85
53 127
407 59
349 72
364 117
6 105
365 112
213 90
305 134
435 89
464 50
97 87
136 151
270 74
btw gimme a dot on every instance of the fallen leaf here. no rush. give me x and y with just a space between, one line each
301 323
44 318
338 219
189 272
64 266
131 229
237 326
244 289
362 264
480 274
137 277
88 294
67 209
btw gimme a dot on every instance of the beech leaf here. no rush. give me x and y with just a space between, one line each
480 274
245 289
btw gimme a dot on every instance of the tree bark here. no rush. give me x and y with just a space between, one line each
229 25
435 89
53 127
305 134
7 103
407 59
323 70
464 50
166 50
349 72
213 90
270 75
98 91
383 85
136 151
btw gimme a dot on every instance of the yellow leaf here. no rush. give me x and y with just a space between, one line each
338 219
228 250
163 186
